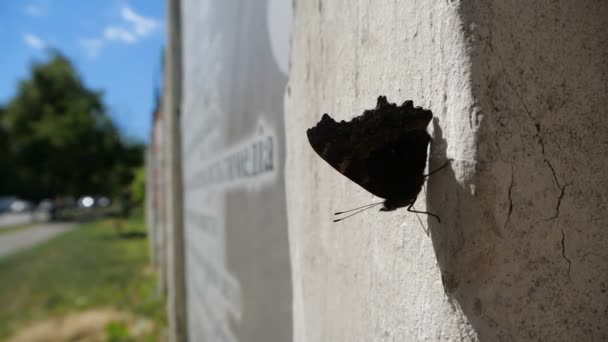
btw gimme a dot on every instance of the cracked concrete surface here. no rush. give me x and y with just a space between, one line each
518 92
538 82
510 200
564 252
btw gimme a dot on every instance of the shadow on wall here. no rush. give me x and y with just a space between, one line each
511 282
515 277
464 244
443 195
522 244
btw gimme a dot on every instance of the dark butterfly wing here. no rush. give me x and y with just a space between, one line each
384 150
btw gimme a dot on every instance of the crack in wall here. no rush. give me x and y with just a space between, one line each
552 172
541 142
510 200
564 252
562 189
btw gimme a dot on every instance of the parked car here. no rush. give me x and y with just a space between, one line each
102 201
5 203
20 206
14 204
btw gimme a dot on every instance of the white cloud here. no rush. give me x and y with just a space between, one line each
134 27
36 10
91 46
33 41
142 26
120 34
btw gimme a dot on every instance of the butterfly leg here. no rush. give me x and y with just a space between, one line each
422 212
436 170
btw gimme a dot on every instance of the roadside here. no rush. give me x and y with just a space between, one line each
15 228
100 269
13 219
26 238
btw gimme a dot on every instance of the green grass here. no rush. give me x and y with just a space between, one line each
15 228
93 266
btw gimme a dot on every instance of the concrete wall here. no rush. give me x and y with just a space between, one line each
237 253
518 92
174 195
155 194
531 261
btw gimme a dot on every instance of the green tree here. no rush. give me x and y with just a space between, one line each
61 140
138 186
6 162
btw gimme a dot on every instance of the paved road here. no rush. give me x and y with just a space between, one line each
27 238
12 219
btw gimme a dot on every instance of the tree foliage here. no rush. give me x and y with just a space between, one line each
59 139
138 186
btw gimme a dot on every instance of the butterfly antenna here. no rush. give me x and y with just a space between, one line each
442 166
365 206
369 206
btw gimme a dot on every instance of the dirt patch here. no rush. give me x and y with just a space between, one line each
88 325
148 270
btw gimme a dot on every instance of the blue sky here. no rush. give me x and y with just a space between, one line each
115 45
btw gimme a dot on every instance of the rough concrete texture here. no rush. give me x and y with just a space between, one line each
527 251
374 276
518 92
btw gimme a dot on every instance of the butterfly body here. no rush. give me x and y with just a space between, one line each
384 150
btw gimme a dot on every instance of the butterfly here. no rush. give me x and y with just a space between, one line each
384 151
